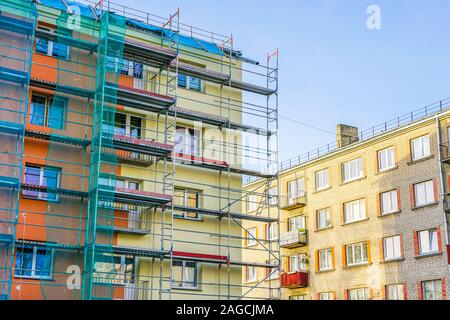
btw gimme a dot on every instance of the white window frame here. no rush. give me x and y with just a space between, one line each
392 248
272 231
50 44
272 196
254 275
429 196
296 223
41 182
386 159
322 180
395 291
325 257
182 284
322 214
428 241
298 297
191 144
437 289
352 170
274 273
296 189
420 148
33 264
365 293
350 215
251 203
251 237
389 202
128 123
297 263
329 295
353 249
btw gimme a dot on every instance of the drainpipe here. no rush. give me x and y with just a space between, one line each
441 177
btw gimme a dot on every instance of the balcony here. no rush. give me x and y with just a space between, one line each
445 152
294 280
294 239
288 203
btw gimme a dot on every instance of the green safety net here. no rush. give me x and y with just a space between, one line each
68 120
17 24
103 279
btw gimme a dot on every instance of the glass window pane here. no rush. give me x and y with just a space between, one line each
56 113
24 261
43 262
41 46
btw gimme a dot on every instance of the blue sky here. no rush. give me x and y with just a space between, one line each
332 68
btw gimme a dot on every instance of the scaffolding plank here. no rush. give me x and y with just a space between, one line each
56 138
12 75
9 182
134 196
11 127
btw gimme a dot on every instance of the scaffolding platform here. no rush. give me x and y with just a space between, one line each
74 91
148 54
121 195
15 76
11 127
133 251
9 182
136 232
55 245
56 138
57 191
6 238
15 25
222 78
222 214
148 147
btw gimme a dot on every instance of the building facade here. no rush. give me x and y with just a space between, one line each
122 154
367 218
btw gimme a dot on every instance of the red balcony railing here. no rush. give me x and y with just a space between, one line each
294 280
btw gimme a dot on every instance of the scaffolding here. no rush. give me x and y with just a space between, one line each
127 137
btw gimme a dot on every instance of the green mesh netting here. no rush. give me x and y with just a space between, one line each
17 25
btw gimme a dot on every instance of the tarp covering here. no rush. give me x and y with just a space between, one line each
187 41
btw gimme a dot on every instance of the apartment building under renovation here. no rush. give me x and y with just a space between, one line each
366 217
123 148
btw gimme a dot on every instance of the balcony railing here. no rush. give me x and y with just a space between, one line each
294 239
291 203
294 280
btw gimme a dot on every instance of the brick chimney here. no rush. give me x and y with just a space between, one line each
346 135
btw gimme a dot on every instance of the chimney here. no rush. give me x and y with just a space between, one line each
346 135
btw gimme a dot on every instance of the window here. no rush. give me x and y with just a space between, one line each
114 269
274 273
46 177
185 274
298 297
123 125
251 202
296 189
322 180
51 48
326 296
420 148
297 263
187 198
386 159
272 196
189 82
354 211
357 254
325 260
272 231
428 241
389 202
323 218
118 183
432 290
48 112
34 262
296 223
395 292
352 170
392 248
251 274
359 294
187 141
251 237
424 193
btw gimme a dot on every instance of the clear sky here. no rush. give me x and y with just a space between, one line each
333 69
